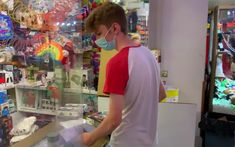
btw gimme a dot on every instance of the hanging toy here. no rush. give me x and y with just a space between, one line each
83 13
66 63
65 58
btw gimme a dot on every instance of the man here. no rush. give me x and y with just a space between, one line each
132 81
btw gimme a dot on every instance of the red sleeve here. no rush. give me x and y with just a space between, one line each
117 74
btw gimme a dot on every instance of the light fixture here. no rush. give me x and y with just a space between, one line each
57 23
228 13
63 24
68 24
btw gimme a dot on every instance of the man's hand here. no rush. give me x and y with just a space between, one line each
162 92
87 139
110 122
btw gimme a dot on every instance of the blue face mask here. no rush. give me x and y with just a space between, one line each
106 45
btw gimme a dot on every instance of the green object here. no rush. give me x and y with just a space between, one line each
221 87
32 71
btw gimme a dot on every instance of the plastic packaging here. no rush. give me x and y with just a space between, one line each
55 140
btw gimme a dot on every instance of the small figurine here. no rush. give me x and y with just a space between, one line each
31 71
84 81
66 62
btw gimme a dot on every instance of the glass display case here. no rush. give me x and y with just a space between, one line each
222 61
43 58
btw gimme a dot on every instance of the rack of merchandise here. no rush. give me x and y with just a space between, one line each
44 55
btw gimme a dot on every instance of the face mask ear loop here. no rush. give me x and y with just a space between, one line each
107 32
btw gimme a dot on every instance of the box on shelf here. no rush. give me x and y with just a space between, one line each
4 109
6 79
3 96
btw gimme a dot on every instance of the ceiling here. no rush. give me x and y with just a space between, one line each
213 3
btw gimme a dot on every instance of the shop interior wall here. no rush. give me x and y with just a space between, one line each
180 34
178 29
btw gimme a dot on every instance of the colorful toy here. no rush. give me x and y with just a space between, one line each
4 109
52 48
41 6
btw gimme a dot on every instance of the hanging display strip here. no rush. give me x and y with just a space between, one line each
40 14
41 6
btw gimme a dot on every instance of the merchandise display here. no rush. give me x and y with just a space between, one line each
47 58
224 74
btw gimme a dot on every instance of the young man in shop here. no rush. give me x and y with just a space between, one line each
132 81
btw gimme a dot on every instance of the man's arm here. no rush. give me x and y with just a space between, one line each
110 123
162 92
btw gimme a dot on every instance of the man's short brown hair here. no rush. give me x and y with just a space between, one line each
106 14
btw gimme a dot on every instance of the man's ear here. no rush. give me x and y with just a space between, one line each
116 28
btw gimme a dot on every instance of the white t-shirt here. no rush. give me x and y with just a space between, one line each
134 73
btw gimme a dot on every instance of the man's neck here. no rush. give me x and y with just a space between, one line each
124 41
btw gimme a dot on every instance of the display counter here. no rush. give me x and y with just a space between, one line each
41 133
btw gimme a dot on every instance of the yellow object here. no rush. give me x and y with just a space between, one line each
105 56
172 95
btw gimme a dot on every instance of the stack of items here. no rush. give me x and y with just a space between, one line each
23 129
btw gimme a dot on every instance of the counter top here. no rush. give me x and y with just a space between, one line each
41 133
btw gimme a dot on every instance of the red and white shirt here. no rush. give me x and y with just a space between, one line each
134 73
